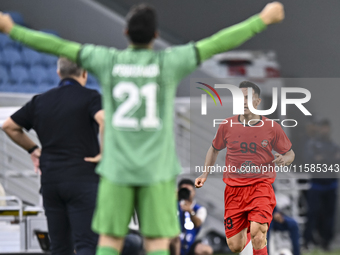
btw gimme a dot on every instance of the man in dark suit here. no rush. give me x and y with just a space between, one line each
67 120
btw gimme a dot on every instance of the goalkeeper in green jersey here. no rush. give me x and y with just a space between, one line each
139 163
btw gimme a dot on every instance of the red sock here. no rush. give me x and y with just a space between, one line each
248 240
263 251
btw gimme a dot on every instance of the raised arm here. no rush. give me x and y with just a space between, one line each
234 36
39 41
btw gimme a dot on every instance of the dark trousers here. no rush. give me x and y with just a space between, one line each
321 215
69 209
292 227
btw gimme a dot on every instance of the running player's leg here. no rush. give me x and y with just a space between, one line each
261 205
258 233
115 205
237 242
235 218
157 211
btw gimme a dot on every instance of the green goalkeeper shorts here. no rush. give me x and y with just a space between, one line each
155 204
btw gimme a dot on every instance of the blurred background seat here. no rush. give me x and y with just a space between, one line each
48 60
4 77
4 39
52 74
31 57
39 74
12 57
19 74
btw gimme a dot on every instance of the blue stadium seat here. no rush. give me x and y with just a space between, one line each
4 39
92 83
52 73
12 57
7 87
89 85
22 87
91 79
28 87
10 44
17 17
93 86
2 60
13 87
4 77
19 74
43 88
48 85
39 74
48 60
31 57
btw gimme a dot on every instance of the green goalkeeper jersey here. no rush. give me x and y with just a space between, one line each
139 87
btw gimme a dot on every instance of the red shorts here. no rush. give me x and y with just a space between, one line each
243 204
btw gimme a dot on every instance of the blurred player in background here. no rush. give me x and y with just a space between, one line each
139 162
249 198
322 195
282 222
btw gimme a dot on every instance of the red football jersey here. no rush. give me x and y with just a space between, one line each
249 150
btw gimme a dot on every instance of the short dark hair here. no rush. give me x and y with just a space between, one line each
186 181
68 68
248 84
141 23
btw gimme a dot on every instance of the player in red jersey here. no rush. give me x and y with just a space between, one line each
249 198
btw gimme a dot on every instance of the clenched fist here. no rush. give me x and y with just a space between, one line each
272 13
6 23
200 181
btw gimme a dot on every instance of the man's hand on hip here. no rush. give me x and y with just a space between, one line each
95 159
35 156
6 23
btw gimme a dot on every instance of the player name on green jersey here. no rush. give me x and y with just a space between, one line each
123 70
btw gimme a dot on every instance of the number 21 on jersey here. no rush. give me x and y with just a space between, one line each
131 97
